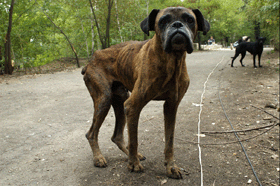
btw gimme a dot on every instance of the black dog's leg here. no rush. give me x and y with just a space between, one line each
254 60
233 58
242 57
259 55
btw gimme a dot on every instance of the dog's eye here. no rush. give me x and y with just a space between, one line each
190 20
164 20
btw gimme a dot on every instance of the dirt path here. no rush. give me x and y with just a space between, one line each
43 120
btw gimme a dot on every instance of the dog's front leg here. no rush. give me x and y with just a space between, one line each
254 61
133 107
170 110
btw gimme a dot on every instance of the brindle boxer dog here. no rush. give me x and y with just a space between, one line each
151 70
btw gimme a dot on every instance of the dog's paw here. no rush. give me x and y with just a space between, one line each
100 162
260 66
141 157
135 167
174 172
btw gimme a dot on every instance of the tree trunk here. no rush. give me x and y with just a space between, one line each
107 39
103 43
85 38
118 21
92 38
0 52
147 2
257 29
72 47
8 61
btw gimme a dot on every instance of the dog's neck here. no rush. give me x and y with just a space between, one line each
177 55
173 62
260 44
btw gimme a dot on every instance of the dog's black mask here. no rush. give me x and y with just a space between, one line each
261 40
176 27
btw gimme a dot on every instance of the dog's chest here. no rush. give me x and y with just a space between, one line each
175 82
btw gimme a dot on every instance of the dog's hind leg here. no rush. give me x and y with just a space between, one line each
120 94
259 55
233 58
242 57
118 138
100 92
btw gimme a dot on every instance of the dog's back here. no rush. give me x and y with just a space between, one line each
107 60
252 47
247 46
255 48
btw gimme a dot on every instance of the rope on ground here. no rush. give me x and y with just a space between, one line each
265 111
247 130
198 125
232 131
237 135
227 143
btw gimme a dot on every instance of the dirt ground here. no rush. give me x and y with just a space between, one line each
44 117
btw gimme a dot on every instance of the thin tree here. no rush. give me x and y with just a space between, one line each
72 47
92 36
97 26
110 5
147 11
118 21
85 38
8 60
105 41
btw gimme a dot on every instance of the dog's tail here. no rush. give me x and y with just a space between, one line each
84 70
247 38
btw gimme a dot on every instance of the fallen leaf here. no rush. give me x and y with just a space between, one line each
267 118
201 135
163 182
274 156
270 105
197 105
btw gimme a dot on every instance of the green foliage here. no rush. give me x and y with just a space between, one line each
35 40
266 12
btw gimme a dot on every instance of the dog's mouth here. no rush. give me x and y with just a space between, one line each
178 41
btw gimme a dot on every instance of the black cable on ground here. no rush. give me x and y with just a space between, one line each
255 174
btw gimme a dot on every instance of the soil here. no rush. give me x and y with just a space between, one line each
44 118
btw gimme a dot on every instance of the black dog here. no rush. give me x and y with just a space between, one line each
255 48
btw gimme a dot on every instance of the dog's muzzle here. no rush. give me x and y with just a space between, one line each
178 38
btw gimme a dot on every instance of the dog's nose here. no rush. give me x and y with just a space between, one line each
177 24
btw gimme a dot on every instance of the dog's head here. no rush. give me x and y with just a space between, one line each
176 27
261 40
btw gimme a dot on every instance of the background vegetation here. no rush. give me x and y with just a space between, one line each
43 30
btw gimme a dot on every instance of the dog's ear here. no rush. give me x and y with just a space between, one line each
203 25
148 24
247 38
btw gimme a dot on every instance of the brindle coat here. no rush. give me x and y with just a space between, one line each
151 70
